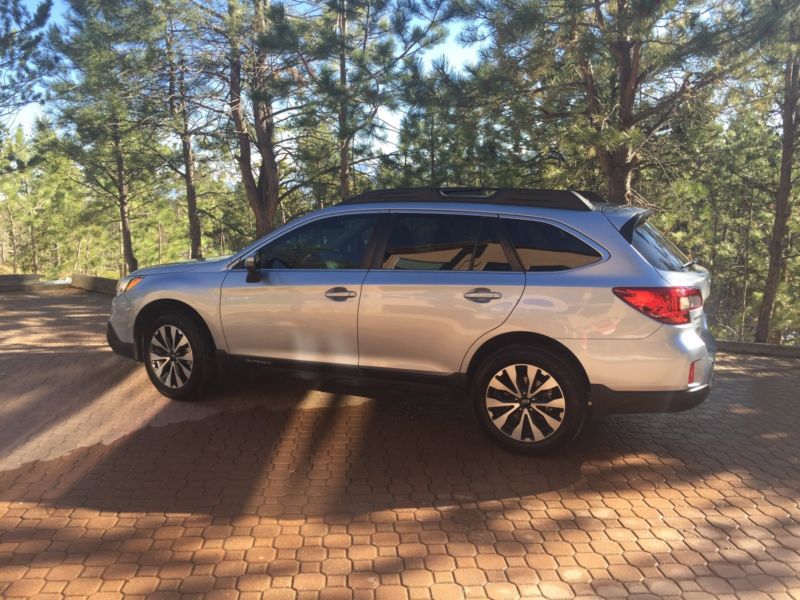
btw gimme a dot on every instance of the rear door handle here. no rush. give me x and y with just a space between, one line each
339 294
482 295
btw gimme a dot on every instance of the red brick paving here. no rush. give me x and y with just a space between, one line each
269 489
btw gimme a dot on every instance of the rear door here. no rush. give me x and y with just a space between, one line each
439 282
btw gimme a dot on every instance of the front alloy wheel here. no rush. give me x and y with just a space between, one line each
170 356
525 402
178 355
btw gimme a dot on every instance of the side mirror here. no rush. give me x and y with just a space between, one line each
253 274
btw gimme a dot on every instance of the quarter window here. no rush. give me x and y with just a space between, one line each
444 243
332 243
545 247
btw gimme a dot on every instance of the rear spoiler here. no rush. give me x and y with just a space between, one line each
631 224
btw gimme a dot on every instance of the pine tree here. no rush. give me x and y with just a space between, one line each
618 71
109 132
365 46
21 35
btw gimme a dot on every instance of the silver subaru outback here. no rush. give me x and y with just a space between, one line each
546 307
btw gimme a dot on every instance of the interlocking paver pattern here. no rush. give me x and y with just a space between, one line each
278 488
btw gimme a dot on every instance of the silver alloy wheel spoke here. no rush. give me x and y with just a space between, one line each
170 356
525 402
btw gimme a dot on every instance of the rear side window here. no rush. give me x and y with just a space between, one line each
444 243
659 251
545 247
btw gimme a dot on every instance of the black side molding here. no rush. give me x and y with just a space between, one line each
118 346
354 374
606 401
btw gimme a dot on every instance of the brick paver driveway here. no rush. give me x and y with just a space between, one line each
269 486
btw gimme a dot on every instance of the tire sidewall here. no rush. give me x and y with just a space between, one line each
568 379
200 353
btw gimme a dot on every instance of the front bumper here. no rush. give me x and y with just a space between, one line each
127 350
606 401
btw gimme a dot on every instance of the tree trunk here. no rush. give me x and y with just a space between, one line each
780 225
31 228
343 133
12 239
34 257
263 194
618 168
178 103
746 271
432 142
122 199
195 234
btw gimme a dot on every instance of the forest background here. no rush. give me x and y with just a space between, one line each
135 132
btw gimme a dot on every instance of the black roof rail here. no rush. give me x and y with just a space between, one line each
564 199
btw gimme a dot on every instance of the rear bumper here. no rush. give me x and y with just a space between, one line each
606 401
122 348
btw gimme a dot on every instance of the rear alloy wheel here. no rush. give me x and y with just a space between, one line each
177 356
525 403
529 400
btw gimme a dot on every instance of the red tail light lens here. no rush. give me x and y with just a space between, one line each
669 305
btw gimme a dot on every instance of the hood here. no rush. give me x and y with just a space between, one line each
178 267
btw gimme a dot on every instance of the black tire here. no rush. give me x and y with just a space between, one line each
203 369
532 433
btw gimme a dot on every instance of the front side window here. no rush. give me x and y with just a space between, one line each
443 243
545 247
332 243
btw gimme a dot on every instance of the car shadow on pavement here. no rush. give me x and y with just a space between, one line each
278 446
293 448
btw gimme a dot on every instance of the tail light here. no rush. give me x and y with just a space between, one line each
669 305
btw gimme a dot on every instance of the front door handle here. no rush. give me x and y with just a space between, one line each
339 294
482 295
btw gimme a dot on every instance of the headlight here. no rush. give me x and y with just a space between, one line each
127 283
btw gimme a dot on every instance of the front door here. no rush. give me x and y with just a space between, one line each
442 282
305 305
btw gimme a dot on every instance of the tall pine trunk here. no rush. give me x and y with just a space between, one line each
121 182
195 234
780 225
12 237
618 167
263 192
343 134
620 162
179 107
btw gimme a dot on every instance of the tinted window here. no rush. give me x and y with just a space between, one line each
545 247
657 249
332 243
444 243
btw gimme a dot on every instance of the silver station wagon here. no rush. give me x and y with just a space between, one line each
542 308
